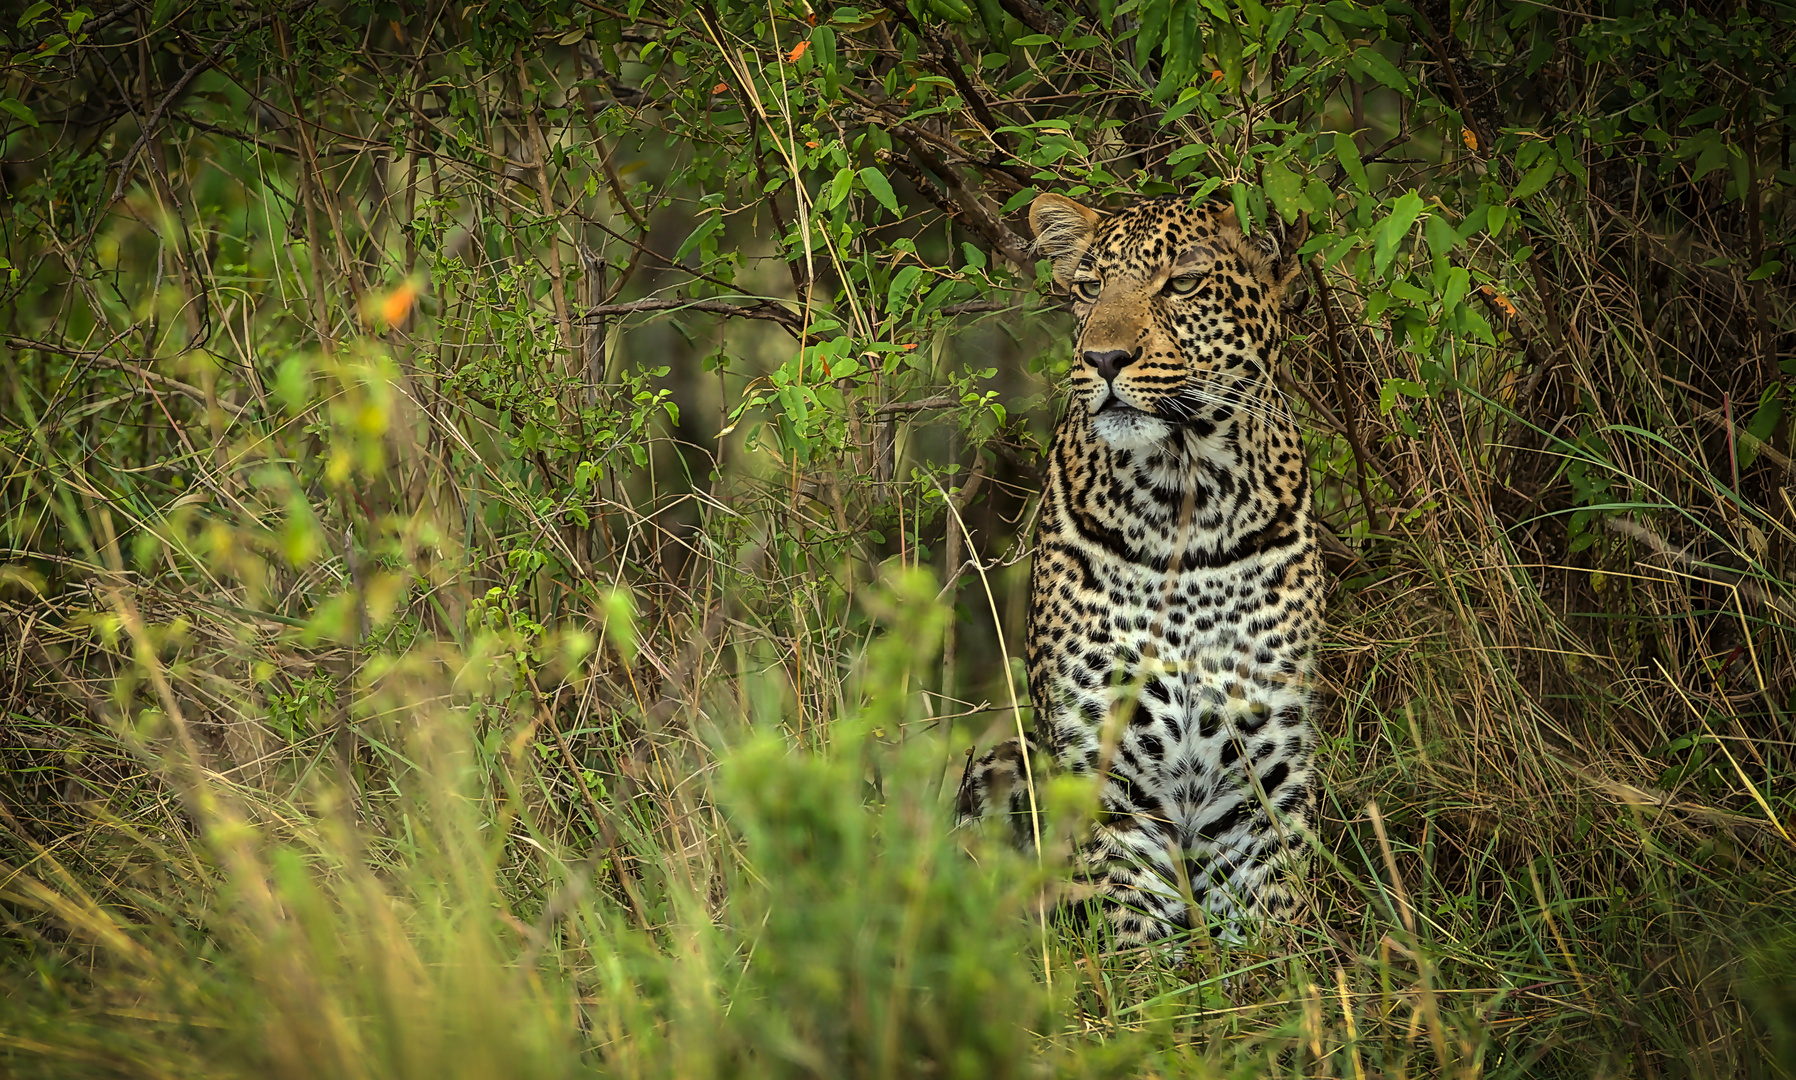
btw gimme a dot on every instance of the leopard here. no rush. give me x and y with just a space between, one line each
1176 595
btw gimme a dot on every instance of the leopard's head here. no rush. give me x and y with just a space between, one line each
1179 312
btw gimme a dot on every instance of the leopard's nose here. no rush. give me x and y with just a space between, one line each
1111 361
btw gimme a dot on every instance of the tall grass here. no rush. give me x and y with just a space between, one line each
488 588
260 851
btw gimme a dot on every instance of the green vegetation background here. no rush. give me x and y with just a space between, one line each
512 516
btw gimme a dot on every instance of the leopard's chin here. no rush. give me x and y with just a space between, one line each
1124 428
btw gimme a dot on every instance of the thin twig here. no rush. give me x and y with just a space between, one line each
1704 571
766 309
943 402
179 387
1349 415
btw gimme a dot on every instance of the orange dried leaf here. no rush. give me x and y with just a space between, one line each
1217 76
797 51
1498 299
721 88
813 145
398 303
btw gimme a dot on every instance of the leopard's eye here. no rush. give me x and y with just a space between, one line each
1184 285
1088 289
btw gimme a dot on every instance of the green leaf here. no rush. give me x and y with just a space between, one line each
902 283
1453 287
1387 396
31 13
1537 178
1204 189
1188 100
584 474
952 10
1393 229
839 189
1285 189
18 109
1765 421
1765 271
1282 21
1441 237
711 224
1347 14
1568 159
1030 40
1705 116
1473 222
944 291
880 188
1712 157
1153 15
1239 193
1471 322
1373 63
993 17
1347 153
1760 428
1408 290
1319 199
1019 200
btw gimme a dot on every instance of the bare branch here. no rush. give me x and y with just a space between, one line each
764 310
917 406
148 376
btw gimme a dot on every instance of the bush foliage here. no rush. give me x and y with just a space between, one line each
512 517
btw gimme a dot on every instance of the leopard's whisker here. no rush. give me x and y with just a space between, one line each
1190 397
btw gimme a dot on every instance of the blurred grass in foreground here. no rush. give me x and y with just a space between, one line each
822 922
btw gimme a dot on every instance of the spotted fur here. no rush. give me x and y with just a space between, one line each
1176 593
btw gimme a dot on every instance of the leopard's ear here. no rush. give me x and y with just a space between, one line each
1063 231
1272 248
